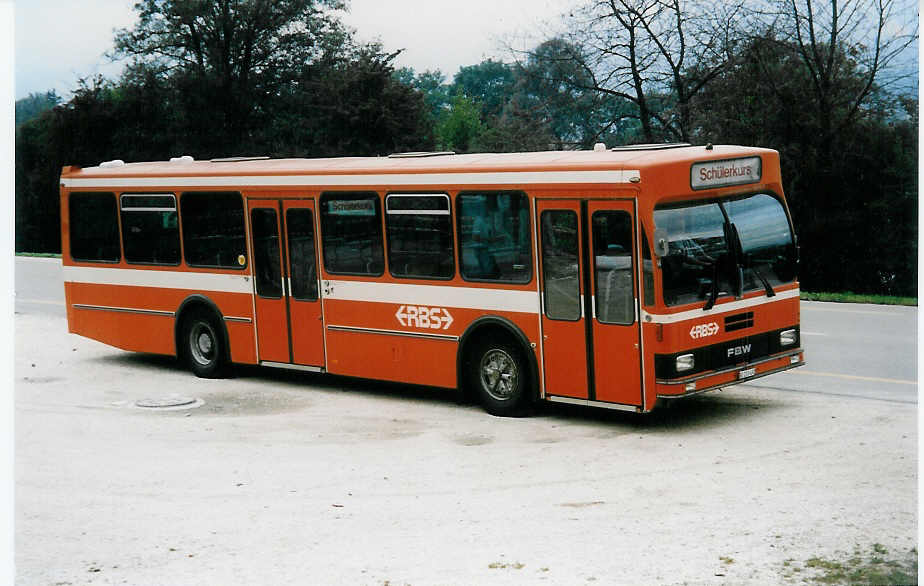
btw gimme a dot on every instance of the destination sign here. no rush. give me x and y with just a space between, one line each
723 173
351 207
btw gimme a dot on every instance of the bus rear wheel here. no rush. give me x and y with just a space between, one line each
203 346
500 378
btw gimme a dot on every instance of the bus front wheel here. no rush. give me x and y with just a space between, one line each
500 378
203 346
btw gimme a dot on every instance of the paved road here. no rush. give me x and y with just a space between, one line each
852 349
38 286
855 350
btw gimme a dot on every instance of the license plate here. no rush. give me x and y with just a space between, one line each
746 373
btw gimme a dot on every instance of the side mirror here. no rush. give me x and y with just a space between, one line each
660 243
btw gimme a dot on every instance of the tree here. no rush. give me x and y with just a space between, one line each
845 48
849 172
460 128
262 77
351 105
103 121
231 54
212 78
655 54
853 199
489 110
489 84
432 84
555 88
518 128
32 106
36 213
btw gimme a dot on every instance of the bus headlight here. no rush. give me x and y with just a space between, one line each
787 337
684 362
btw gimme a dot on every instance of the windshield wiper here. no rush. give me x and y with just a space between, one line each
763 281
745 260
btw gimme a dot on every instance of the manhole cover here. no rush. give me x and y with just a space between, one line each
170 402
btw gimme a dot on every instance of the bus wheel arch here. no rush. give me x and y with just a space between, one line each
201 337
493 346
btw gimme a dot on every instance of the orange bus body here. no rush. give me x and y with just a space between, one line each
422 330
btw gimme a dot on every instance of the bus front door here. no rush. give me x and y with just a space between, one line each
590 331
285 261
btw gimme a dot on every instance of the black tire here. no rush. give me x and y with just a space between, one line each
202 345
499 377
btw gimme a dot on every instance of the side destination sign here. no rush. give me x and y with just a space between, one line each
727 172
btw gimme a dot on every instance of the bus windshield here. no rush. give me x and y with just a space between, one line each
722 247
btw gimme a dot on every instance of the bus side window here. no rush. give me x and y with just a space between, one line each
150 233
419 228
94 227
351 232
213 229
494 237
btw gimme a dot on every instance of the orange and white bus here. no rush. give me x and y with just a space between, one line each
615 278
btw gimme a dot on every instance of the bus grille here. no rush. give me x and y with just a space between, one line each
739 321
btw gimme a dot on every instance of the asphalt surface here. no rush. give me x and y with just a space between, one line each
38 286
855 350
289 478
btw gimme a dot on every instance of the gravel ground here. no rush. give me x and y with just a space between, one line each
285 478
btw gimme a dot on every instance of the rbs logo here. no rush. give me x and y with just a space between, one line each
704 330
419 316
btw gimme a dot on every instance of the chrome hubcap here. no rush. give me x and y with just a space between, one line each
205 343
202 343
499 374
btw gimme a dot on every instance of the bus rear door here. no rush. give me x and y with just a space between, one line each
288 306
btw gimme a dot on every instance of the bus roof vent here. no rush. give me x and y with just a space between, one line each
651 147
183 159
112 163
419 154
238 159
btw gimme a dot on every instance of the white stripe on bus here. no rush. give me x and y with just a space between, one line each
423 178
465 297
213 282
365 291
435 296
718 308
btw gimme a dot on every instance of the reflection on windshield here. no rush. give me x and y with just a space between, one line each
699 257
765 240
697 253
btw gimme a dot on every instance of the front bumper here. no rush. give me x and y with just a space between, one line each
677 388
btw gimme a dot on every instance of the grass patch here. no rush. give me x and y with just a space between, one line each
874 567
504 566
849 297
40 254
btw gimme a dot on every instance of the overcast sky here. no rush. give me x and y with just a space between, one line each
60 41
